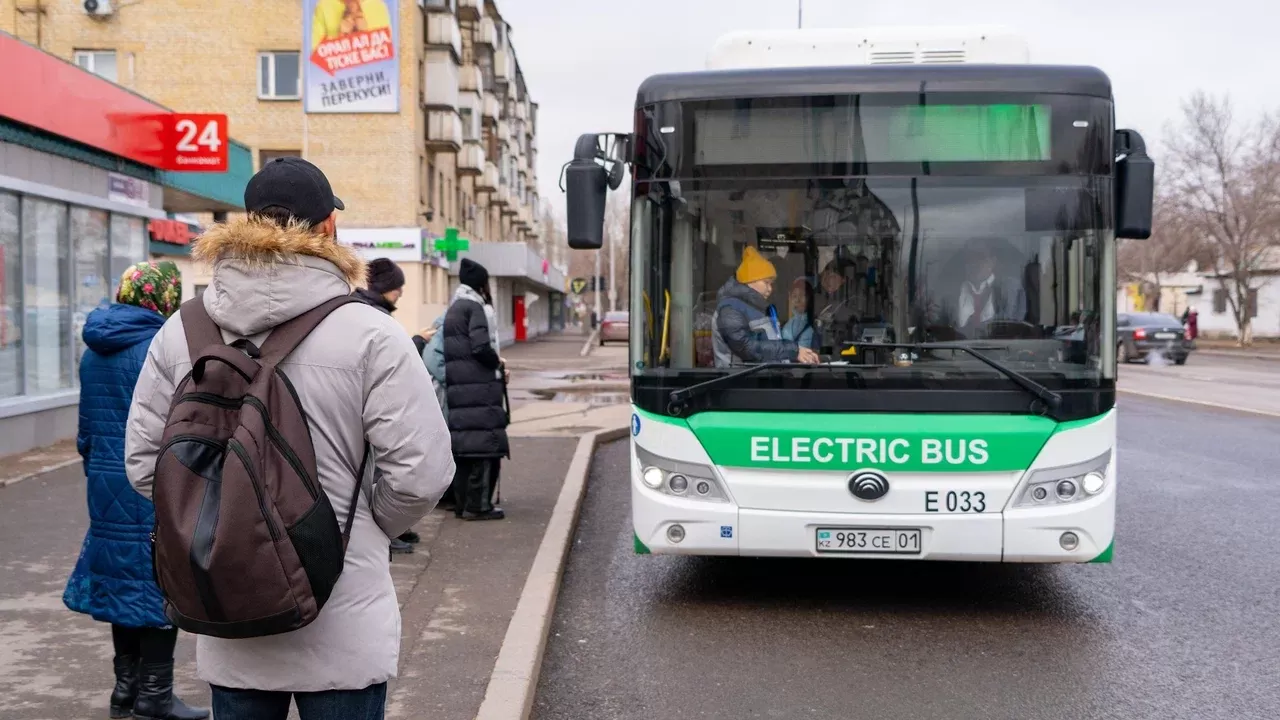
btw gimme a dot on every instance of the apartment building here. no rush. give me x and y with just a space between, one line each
417 111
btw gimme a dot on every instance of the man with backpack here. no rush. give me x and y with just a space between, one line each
262 411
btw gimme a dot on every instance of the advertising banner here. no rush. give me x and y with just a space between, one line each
351 56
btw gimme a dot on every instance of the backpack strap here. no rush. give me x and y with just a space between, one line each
286 337
355 497
199 328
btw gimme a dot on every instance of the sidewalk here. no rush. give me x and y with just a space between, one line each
457 591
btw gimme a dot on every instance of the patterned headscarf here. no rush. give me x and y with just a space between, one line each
152 285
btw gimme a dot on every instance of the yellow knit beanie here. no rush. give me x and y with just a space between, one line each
754 267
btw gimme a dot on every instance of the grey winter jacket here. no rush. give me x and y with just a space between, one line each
359 377
744 331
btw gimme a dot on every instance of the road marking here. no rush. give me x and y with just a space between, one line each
1221 406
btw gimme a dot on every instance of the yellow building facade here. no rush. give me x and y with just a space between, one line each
458 152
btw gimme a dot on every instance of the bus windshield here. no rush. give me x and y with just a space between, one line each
1019 267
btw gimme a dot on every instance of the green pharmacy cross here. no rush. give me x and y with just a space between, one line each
451 244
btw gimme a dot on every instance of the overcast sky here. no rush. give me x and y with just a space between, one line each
584 59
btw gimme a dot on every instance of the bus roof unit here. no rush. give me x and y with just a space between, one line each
985 44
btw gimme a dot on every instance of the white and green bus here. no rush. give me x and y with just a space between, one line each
943 239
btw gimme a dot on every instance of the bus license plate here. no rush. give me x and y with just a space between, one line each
882 541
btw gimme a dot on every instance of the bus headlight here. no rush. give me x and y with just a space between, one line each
1063 485
680 479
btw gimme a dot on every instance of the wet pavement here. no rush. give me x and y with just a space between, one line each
1183 624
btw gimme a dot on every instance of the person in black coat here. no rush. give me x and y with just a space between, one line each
474 390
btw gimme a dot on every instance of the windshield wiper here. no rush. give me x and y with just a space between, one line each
1051 399
685 394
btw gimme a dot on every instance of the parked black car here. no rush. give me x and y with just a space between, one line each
1141 334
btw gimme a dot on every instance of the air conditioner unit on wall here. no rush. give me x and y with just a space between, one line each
99 8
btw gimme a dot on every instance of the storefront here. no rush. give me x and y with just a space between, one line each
525 288
73 216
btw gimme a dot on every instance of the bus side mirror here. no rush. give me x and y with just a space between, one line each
1135 186
586 183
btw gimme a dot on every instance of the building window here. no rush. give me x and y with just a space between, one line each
46 271
440 205
468 123
99 62
199 291
1219 301
266 156
91 285
278 76
128 246
11 314
1251 304
431 185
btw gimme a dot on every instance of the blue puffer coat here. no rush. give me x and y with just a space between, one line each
113 579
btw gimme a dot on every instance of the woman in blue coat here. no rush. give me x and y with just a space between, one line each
113 580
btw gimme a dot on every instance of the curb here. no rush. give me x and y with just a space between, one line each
1205 403
514 680
38 473
1274 357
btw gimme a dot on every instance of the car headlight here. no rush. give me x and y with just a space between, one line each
1063 485
679 479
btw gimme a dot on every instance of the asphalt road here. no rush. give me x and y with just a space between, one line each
1241 382
1183 624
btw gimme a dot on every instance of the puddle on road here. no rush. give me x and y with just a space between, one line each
587 395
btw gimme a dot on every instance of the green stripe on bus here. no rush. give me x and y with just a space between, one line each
640 547
1105 555
890 441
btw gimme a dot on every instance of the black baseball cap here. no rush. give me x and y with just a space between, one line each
295 185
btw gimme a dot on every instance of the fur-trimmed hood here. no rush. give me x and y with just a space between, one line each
261 241
264 276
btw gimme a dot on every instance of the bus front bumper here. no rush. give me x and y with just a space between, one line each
666 525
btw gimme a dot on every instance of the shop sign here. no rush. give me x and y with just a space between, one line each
128 190
395 244
179 142
174 232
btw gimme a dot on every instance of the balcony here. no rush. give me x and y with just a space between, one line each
490 109
471 79
487 33
502 66
488 180
522 110
501 197
471 159
470 9
443 32
504 132
440 81
444 130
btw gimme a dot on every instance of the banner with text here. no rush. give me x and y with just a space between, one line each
351 56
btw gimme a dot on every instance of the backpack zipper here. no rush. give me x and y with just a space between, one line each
243 454
277 438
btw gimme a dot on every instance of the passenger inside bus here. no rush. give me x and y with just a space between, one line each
746 325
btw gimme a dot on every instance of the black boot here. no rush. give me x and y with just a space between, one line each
156 700
126 690
410 537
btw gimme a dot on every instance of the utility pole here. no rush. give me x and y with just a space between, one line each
596 282
613 285
800 14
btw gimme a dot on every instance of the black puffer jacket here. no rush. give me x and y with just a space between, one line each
473 386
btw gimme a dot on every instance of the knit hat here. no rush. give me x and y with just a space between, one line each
152 285
754 267
473 275
385 276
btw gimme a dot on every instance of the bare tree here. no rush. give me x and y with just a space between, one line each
1226 190
617 246
1170 249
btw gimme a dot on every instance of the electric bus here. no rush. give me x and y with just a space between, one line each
937 219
